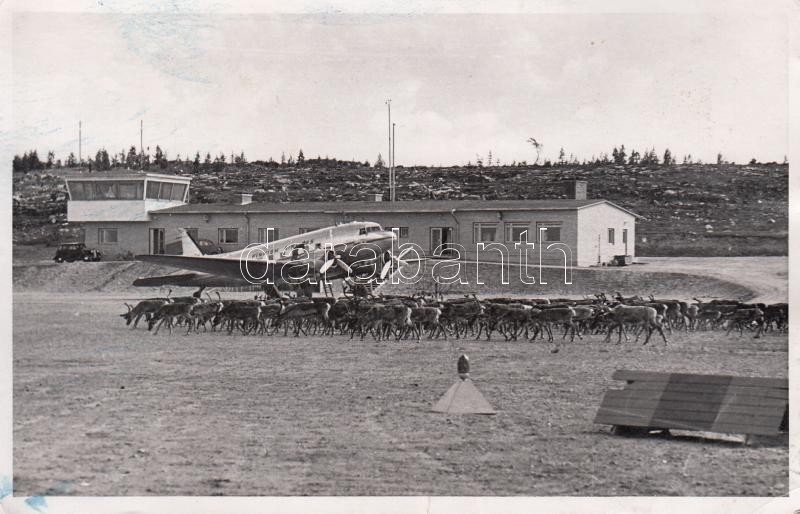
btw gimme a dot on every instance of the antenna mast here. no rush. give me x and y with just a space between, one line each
389 158
393 184
141 144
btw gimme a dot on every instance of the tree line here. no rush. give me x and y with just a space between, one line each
102 161
141 159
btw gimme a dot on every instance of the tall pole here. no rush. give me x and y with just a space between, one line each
394 180
389 157
141 144
80 157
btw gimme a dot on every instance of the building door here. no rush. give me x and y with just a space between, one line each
599 258
441 236
625 239
157 241
436 238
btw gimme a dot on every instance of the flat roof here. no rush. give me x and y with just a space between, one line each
126 176
409 206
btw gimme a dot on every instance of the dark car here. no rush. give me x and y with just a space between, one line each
208 247
205 246
72 252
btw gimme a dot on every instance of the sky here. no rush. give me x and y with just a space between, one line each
461 85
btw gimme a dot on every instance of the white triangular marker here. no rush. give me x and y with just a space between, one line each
463 398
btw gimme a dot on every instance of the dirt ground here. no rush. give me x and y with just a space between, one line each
103 410
766 277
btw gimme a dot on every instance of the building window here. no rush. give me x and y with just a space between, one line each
177 192
303 230
402 232
165 190
152 189
484 232
81 191
551 234
107 236
228 235
105 190
129 190
611 236
624 236
192 233
267 235
517 232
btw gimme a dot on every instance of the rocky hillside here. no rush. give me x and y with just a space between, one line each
692 209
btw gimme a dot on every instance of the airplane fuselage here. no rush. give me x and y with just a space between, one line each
361 246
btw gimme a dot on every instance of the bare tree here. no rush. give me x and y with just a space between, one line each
538 146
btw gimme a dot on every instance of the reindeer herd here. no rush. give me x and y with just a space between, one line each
401 317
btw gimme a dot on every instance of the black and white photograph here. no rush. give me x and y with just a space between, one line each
397 251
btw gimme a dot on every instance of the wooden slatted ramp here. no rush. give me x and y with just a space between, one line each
708 403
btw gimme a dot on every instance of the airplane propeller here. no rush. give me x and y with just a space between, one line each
393 260
336 260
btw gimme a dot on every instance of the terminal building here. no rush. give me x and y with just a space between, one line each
125 215
115 209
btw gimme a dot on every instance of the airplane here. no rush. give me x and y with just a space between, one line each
357 248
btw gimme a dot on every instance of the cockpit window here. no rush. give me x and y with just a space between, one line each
362 231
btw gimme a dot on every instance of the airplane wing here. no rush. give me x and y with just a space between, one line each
232 270
223 266
189 280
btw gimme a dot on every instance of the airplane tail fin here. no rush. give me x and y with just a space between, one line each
189 247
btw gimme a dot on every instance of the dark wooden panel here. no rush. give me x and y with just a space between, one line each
769 420
689 397
613 418
652 384
689 378
764 392
733 428
718 403
663 415
777 383
759 392
711 399
634 403
604 418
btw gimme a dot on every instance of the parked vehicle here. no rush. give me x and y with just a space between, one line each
71 252
208 247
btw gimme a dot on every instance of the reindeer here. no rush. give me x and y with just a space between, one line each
169 313
244 314
545 318
742 318
637 314
627 301
145 308
203 313
301 311
379 320
426 318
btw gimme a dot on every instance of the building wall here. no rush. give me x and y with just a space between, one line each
117 210
467 221
132 237
208 225
418 224
580 231
593 224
